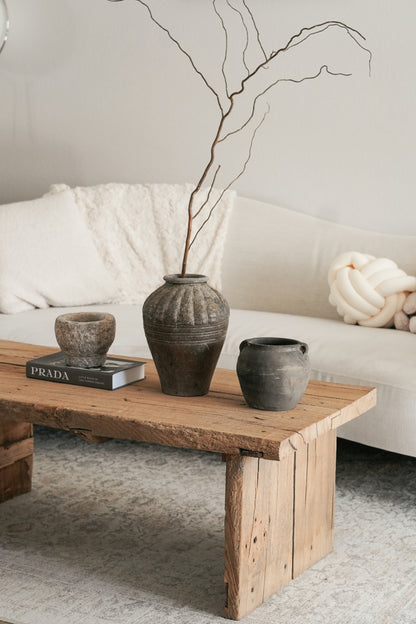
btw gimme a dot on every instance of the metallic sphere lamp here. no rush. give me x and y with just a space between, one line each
4 24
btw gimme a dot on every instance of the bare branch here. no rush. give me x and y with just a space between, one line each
226 112
246 31
229 185
255 28
303 34
291 43
249 118
211 187
225 50
349 32
360 45
329 23
176 42
259 95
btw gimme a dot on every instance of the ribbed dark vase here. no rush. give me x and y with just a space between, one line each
185 322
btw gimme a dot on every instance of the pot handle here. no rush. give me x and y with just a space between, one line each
243 345
304 348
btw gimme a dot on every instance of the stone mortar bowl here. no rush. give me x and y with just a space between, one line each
85 337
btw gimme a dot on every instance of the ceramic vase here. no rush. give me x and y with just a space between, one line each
185 322
273 372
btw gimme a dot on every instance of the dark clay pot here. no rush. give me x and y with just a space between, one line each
273 372
185 322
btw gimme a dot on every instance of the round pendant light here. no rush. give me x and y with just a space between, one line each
4 24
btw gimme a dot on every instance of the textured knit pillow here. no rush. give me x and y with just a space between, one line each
139 231
368 290
48 258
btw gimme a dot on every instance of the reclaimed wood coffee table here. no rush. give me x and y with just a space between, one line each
280 466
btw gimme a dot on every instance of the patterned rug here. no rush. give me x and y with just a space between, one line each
132 533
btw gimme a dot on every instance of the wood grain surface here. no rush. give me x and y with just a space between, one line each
258 531
279 520
16 458
219 421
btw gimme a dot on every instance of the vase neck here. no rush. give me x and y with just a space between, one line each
190 278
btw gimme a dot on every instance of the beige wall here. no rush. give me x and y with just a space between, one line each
91 91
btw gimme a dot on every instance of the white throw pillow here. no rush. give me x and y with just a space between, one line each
48 257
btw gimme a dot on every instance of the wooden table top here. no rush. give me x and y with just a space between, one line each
219 421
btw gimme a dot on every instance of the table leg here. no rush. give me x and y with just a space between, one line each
314 492
16 458
278 521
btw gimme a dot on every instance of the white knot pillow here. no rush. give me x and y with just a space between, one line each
368 290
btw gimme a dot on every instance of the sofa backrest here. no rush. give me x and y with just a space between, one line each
277 260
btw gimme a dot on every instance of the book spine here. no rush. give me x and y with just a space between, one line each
61 374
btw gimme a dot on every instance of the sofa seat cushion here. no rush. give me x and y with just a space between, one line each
381 358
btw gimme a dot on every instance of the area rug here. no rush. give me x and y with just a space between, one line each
132 533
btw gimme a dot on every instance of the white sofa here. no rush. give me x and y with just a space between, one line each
274 275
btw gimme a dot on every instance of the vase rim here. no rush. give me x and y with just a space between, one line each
272 341
85 318
190 278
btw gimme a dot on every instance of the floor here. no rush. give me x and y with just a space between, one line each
128 533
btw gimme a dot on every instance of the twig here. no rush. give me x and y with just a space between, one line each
224 75
246 31
235 178
360 45
176 42
211 188
273 84
349 32
291 44
256 29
